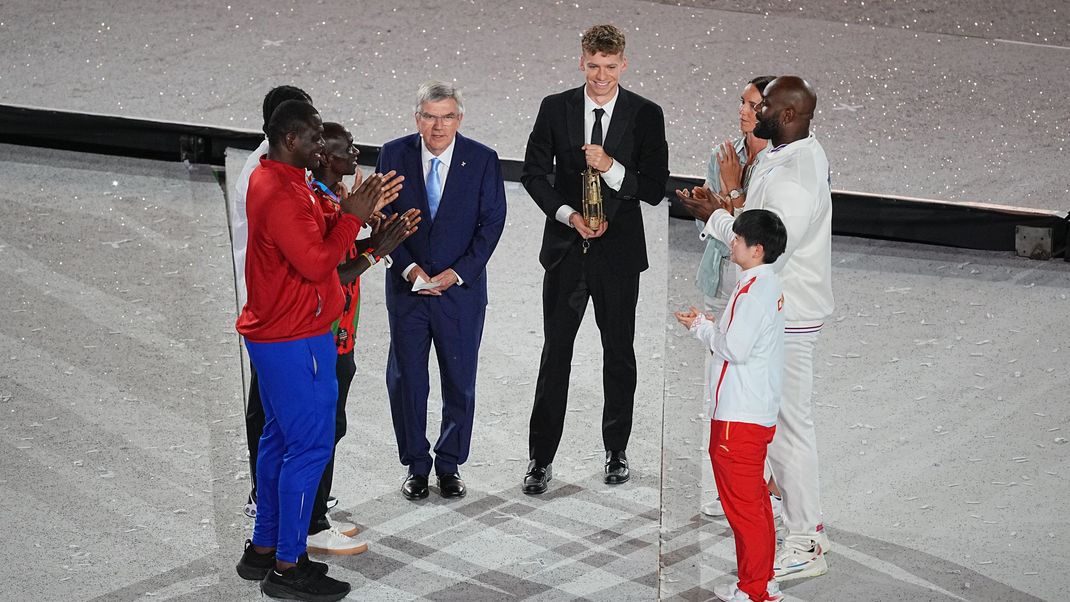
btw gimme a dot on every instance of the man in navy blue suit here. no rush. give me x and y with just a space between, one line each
436 289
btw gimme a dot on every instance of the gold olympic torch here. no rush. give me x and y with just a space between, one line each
593 213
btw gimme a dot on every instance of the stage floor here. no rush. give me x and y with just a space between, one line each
940 409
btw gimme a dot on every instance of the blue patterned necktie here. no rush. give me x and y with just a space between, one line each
434 187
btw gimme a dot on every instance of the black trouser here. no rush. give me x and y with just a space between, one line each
254 427
565 291
346 368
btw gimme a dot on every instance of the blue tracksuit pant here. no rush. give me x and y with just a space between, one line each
299 391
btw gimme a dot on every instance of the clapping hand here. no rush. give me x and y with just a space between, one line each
686 318
731 169
699 202
374 193
724 202
389 232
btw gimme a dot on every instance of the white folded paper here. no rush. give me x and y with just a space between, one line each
422 285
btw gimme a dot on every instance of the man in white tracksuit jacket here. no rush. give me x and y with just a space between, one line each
792 180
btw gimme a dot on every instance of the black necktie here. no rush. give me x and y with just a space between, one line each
596 131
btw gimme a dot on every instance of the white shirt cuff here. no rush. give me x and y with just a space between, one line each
709 230
405 272
563 213
614 176
459 279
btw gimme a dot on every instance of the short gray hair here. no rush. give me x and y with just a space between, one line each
434 91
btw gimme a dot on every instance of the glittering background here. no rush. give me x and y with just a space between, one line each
941 377
956 100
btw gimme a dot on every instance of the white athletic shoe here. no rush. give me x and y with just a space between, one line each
799 558
727 589
713 508
347 529
332 541
250 510
331 502
821 538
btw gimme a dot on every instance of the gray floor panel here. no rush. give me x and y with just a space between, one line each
941 377
944 456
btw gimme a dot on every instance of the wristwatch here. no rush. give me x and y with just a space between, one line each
735 193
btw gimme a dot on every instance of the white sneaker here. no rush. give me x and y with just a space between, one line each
250 510
798 559
822 539
713 508
727 589
347 529
331 502
332 541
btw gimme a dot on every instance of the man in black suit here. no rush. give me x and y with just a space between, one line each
621 135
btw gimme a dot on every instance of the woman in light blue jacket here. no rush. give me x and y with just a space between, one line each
731 164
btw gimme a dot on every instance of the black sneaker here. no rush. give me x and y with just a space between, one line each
303 582
254 566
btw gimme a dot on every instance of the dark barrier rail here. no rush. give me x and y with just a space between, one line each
965 225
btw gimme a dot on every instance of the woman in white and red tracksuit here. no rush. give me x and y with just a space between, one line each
747 342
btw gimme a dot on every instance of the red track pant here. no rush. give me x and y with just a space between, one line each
737 450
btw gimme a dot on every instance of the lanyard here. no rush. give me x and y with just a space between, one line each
326 190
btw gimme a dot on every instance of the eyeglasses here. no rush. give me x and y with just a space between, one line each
446 119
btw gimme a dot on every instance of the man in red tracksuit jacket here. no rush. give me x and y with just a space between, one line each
293 297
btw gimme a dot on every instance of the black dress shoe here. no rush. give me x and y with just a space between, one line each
451 485
414 487
616 468
538 478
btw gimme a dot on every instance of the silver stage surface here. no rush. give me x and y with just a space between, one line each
939 407
940 401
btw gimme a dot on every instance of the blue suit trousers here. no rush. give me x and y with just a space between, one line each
456 340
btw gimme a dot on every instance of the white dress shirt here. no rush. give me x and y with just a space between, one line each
614 176
444 168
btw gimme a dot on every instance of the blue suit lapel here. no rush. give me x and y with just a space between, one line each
413 166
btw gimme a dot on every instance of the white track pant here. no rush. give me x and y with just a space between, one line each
793 452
